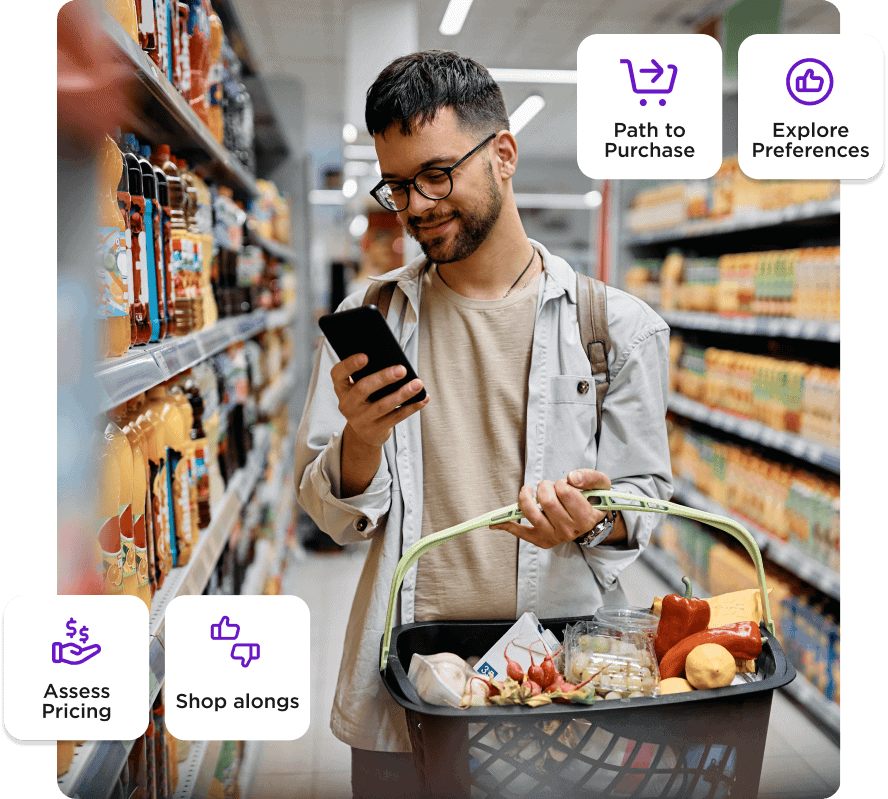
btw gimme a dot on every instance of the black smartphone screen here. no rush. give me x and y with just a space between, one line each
364 329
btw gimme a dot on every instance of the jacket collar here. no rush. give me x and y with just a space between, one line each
560 278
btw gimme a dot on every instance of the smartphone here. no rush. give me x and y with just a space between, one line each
364 329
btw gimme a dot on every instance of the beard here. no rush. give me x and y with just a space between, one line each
472 228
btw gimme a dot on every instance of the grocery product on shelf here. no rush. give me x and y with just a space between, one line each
183 76
199 441
237 109
108 509
119 440
188 500
151 186
140 316
214 78
124 11
198 44
112 305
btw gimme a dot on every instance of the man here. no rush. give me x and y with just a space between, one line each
489 319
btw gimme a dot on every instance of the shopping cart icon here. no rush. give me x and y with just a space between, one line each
657 71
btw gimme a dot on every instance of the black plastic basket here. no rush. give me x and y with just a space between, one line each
706 744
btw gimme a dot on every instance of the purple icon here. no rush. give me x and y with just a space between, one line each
642 87
809 81
73 653
225 630
245 653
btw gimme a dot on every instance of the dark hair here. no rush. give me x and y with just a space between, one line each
412 89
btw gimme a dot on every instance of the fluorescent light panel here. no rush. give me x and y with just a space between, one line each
534 75
525 112
454 17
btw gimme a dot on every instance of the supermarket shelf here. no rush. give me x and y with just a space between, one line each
816 454
94 761
280 251
825 711
786 555
277 393
168 115
190 770
280 317
774 326
142 367
749 220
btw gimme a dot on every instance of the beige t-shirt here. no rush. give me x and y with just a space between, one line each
475 367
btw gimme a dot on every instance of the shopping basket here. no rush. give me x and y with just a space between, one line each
652 89
706 744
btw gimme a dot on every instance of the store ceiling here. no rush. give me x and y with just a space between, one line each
306 39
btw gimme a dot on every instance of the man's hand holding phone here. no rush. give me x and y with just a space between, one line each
369 424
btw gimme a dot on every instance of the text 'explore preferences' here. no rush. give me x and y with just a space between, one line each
649 106
811 106
237 667
74 668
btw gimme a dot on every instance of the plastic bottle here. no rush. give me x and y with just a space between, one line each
124 455
149 418
138 242
163 198
147 25
150 180
184 60
214 78
161 54
201 452
140 493
177 393
191 273
155 247
124 11
199 54
177 484
108 511
178 231
205 312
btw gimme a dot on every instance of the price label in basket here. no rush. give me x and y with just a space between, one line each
649 106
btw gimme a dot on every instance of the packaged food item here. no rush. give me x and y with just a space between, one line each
124 458
199 57
440 679
108 510
140 316
526 635
630 619
617 663
124 11
152 193
140 504
214 78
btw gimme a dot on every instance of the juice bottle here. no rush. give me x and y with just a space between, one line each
163 198
184 85
199 56
201 452
160 55
214 78
149 419
145 432
178 395
138 241
124 456
108 511
113 325
205 312
188 270
154 246
178 230
124 11
149 172
144 567
177 475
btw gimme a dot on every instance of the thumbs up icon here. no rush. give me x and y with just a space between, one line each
809 83
224 630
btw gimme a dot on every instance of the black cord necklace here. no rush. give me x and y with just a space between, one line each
533 253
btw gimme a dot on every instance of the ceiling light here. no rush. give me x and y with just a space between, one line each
358 225
326 197
525 112
359 152
454 17
533 75
349 132
349 188
356 169
582 202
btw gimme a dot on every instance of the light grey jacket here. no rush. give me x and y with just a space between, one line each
561 424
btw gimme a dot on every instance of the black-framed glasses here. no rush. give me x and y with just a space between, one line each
435 183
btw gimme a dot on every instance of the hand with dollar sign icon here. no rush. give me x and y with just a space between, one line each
71 653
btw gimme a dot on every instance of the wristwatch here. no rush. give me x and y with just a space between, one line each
599 532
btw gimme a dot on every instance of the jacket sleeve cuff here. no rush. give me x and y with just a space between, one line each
358 516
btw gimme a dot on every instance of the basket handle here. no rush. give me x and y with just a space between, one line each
603 500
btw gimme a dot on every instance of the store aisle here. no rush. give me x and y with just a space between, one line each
800 762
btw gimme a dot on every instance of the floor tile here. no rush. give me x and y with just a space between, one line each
287 757
332 785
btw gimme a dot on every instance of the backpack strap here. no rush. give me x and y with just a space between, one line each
380 294
592 318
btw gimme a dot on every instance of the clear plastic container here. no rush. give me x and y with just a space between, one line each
621 663
629 619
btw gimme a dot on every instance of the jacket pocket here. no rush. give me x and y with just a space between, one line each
571 424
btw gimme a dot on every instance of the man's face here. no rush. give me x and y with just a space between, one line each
453 228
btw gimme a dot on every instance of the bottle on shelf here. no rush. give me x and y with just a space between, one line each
113 324
184 59
147 25
108 511
189 491
153 428
169 293
190 247
201 452
199 57
139 242
160 55
214 78
150 183
140 494
124 11
205 311
124 457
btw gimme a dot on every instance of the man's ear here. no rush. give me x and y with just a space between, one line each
506 154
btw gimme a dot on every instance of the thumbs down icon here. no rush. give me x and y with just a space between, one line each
245 653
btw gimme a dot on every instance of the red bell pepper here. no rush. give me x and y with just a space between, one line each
742 639
680 617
